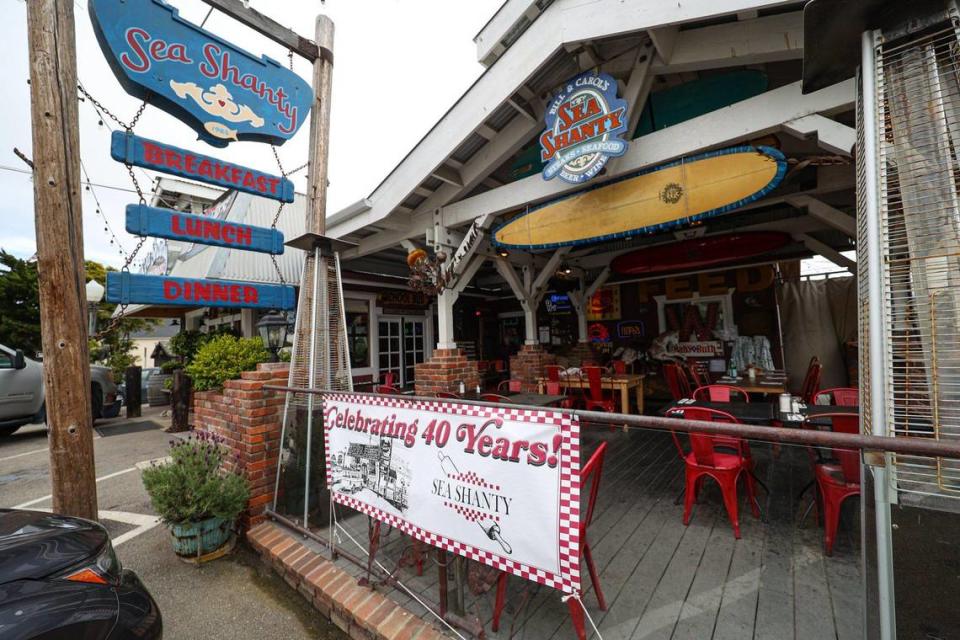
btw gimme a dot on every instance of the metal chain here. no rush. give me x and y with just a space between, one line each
102 110
276 216
99 107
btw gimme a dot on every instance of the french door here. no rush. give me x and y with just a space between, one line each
402 345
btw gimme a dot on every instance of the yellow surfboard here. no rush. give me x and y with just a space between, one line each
656 199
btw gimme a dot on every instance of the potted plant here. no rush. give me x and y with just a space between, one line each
195 496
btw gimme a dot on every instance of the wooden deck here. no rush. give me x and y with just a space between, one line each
664 580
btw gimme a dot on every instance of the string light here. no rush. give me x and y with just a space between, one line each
114 240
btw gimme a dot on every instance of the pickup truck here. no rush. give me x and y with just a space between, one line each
21 391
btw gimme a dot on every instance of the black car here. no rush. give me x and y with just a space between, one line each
59 578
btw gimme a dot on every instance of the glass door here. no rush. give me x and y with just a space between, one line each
390 349
413 347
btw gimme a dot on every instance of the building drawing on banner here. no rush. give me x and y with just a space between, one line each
371 467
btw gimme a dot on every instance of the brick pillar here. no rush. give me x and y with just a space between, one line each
248 418
444 371
528 364
583 353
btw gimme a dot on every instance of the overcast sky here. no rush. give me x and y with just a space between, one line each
400 64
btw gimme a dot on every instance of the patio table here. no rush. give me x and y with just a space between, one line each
764 413
765 382
622 382
521 397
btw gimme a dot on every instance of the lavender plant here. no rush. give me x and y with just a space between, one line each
194 485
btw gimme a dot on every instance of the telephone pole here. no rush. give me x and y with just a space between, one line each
59 221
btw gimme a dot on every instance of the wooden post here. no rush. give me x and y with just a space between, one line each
320 128
59 222
132 380
180 402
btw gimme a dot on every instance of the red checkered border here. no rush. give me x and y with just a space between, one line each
568 579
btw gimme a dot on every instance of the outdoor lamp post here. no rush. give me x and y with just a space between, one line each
95 292
273 332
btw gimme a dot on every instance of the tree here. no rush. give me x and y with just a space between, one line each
20 296
20 320
112 344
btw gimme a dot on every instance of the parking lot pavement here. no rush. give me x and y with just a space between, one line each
233 598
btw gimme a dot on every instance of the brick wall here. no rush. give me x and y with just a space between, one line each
248 418
444 371
527 365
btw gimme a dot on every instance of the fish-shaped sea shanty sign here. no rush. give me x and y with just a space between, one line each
222 91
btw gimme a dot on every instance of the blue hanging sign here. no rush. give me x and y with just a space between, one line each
124 287
173 225
130 149
223 92
585 123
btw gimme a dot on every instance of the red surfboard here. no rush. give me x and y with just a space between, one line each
699 252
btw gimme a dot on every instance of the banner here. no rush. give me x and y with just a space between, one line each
499 486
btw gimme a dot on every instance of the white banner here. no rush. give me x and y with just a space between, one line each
496 485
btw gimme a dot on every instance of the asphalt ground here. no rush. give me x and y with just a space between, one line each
233 598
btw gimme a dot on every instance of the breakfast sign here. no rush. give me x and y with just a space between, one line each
225 94
499 486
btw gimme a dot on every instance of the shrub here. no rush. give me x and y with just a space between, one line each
170 366
223 358
192 486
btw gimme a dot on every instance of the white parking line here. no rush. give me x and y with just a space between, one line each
25 453
30 503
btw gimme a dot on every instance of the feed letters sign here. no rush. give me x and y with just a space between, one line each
222 91
497 485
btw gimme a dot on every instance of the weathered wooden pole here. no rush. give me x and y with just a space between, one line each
320 128
59 221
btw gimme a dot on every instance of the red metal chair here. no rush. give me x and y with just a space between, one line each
839 478
493 397
390 379
386 389
554 389
448 395
553 372
595 399
721 393
514 386
677 381
696 381
589 474
811 381
703 460
839 396
619 367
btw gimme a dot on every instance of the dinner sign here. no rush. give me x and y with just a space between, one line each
499 486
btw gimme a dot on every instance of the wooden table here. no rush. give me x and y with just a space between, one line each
622 382
774 382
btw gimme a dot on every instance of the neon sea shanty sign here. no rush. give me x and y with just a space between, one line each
222 91
584 127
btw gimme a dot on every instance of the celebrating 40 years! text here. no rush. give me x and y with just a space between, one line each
478 437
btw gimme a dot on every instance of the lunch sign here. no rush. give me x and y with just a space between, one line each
225 94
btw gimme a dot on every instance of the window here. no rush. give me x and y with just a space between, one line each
358 332
6 361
